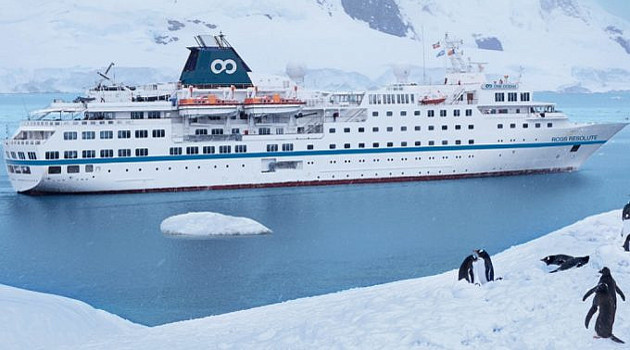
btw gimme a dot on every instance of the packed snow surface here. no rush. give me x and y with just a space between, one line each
529 308
210 224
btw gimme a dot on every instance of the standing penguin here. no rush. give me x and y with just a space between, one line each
625 218
466 269
612 287
484 264
603 301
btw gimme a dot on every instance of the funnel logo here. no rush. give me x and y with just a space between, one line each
218 66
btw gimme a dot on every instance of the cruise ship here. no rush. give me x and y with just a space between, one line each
217 129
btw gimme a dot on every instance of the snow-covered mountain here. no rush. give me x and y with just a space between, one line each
350 44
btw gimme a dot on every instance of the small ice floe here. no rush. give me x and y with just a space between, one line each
207 224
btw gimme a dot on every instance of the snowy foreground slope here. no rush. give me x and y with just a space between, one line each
529 309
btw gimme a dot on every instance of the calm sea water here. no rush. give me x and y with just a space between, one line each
107 250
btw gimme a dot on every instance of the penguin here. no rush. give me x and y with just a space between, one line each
625 218
466 269
484 264
572 262
603 301
555 259
626 244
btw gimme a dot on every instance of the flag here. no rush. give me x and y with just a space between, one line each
441 53
451 52
436 45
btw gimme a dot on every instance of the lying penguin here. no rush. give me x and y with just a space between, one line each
565 262
605 302
477 266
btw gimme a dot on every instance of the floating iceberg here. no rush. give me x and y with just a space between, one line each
207 224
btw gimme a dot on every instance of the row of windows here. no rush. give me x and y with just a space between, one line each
20 155
388 99
150 115
176 151
430 113
525 125
286 147
500 96
104 153
403 128
109 134
391 144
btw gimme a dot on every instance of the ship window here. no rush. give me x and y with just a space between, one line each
70 154
70 135
346 145
416 128
389 113
456 113
88 135
575 148
241 148
525 125
361 129
537 125
512 126
444 127
272 148
403 128
499 97
431 127
54 170
175 151
503 111
32 155
206 150
417 143
21 155
192 150
512 96
309 146
444 142
287 147
331 130
442 112
201 131
471 126
191 62
390 144
107 153
499 126
218 131
88 154
153 114
106 134
524 96
73 169
458 142
332 146
141 134
227 149
264 131
375 129
279 131
375 144
416 113
52 155
361 145
158 133
124 134
403 113
141 152
89 168
390 129
346 129
458 127
470 142
469 112
124 152
374 114
403 144
10 168
431 143
137 115
236 131
430 113
549 125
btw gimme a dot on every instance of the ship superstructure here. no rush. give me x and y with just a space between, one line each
216 129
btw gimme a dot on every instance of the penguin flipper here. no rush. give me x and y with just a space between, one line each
591 291
620 293
590 314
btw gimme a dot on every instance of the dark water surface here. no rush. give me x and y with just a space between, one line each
107 250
